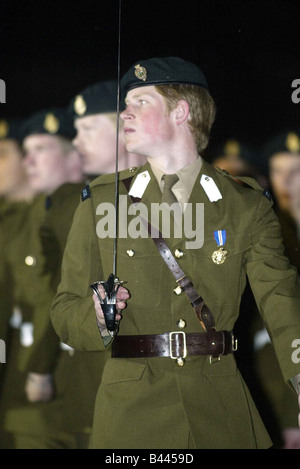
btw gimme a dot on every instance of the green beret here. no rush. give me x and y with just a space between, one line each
99 98
56 121
234 149
10 129
286 142
162 71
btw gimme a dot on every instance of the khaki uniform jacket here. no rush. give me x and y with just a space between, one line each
153 403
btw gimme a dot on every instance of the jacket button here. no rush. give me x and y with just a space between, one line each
180 361
181 323
178 253
130 252
30 261
177 290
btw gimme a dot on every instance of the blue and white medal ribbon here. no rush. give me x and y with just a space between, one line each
219 256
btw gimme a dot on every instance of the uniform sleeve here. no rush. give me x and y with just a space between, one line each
275 285
72 313
37 292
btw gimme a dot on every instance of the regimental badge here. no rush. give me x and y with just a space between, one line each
232 148
80 105
51 123
219 256
4 128
140 72
292 142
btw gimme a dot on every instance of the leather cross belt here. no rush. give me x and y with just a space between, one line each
174 345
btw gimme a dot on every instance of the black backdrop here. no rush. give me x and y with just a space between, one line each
249 51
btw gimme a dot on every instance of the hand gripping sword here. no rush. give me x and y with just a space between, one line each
108 297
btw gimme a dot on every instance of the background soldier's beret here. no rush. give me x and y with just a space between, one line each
286 142
55 121
10 129
162 71
99 98
234 149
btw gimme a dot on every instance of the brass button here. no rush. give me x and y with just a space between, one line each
132 169
180 361
177 290
130 252
30 261
178 253
181 323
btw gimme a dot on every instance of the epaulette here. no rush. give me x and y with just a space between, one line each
110 178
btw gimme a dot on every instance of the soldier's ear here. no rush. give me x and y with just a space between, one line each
181 112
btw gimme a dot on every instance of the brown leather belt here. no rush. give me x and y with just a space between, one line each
174 345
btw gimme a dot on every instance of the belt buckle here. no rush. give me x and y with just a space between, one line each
184 344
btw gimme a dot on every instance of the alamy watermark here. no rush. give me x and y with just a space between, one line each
296 352
169 220
2 92
296 93
2 351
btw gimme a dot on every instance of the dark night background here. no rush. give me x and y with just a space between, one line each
249 51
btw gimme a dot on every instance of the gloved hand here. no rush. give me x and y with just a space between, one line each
39 388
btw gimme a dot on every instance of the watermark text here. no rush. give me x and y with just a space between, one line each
2 91
296 352
296 93
135 221
2 351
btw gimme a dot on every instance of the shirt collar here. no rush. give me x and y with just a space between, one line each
187 175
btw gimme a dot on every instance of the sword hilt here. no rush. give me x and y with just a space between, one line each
108 302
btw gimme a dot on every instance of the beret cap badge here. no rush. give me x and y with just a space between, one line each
4 129
80 105
51 123
293 142
232 148
140 72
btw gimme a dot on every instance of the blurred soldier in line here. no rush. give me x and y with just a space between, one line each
15 197
95 118
238 159
28 421
282 156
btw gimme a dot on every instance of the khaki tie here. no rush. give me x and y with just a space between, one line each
167 195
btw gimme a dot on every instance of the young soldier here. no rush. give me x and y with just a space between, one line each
172 381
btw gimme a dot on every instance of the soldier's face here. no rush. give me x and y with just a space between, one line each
96 142
282 166
148 127
45 162
11 168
